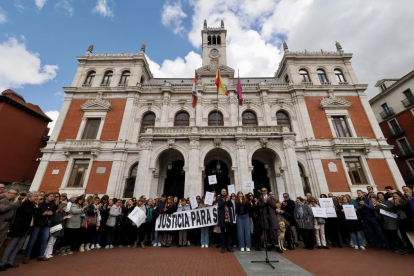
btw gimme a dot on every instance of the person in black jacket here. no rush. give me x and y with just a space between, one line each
288 207
225 220
19 230
242 221
43 220
104 213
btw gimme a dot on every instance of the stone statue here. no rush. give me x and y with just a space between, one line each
222 23
90 50
285 46
205 23
143 48
338 46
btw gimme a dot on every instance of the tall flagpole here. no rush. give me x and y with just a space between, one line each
217 95
238 103
195 107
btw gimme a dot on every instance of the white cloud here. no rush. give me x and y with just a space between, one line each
176 68
172 16
103 9
53 114
66 6
3 17
19 67
40 3
59 93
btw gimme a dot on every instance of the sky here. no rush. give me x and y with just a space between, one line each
40 39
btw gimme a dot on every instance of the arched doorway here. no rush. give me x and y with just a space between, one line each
220 169
174 183
130 182
264 162
305 181
260 176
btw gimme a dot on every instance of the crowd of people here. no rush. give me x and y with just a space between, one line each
48 224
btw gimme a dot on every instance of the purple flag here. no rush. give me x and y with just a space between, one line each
239 90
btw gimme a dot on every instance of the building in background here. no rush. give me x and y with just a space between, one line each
308 128
394 110
23 132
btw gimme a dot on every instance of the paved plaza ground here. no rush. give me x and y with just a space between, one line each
196 261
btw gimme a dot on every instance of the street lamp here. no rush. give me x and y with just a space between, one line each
218 165
169 166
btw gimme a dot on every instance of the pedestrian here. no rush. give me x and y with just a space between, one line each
405 210
288 206
242 221
304 221
7 212
57 230
105 205
96 207
318 226
140 239
150 220
112 222
131 230
182 234
169 208
159 210
73 231
225 220
354 227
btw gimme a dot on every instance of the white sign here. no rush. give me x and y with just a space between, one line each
209 198
212 179
332 167
349 211
248 185
388 214
291 196
137 216
55 172
193 202
187 220
231 189
319 212
327 204
101 170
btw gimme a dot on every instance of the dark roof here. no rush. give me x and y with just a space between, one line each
15 99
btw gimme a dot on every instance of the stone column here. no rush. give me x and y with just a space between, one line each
128 118
244 171
192 185
317 174
62 116
41 170
294 183
165 107
143 180
199 109
267 117
115 183
233 103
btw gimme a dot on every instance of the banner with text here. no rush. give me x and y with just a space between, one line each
187 220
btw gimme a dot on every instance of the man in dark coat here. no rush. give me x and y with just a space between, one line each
225 220
7 212
288 207
271 221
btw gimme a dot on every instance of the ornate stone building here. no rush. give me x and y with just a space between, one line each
123 132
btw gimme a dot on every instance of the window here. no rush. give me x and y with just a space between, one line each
386 107
124 78
282 119
249 118
304 76
411 165
287 80
147 121
107 78
395 129
340 126
89 79
209 40
182 119
91 128
409 100
218 40
215 119
322 76
405 147
355 171
383 87
339 76
214 40
78 174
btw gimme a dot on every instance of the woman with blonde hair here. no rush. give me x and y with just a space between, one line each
58 219
168 209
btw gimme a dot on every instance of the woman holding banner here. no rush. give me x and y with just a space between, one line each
318 226
168 209
354 227
242 221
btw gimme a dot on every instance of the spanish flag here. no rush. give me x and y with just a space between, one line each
220 85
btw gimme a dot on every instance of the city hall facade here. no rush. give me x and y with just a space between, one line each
308 128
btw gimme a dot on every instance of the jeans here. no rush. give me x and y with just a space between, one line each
158 237
372 226
354 238
110 235
44 232
11 250
204 236
243 230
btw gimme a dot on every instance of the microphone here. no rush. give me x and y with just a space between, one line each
259 191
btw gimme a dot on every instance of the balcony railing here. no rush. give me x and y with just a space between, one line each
408 176
387 113
404 152
394 131
343 83
215 130
409 101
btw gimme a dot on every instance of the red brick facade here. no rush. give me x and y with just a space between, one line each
98 183
337 181
381 173
52 182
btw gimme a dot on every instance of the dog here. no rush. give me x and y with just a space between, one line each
281 235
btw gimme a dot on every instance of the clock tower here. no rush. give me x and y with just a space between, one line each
214 45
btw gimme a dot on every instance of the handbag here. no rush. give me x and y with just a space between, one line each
55 228
92 221
320 220
84 223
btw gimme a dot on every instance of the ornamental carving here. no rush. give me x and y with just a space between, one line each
170 143
149 104
333 102
217 142
166 101
194 144
241 144
99 104
248 102
146 145
232 100
288 143
264 100
263 142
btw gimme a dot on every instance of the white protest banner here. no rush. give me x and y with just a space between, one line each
231 189
388 214
327 204
212 179
291 196
349 211
248 185
187 220
319 212
209 198
193 202
137 216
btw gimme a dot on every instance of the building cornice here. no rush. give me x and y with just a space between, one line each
401 81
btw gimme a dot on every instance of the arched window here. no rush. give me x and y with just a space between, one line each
130 182
182 119
209 40
287 80
142 79
215 119
249 118
304 76
322 76
147 120
282 119
304 179
339 76
89 79
106 81
124 78
218 40
214 40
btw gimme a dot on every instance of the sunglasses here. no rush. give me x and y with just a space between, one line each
264 190
285 197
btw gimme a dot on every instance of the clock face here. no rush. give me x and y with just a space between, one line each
214 52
